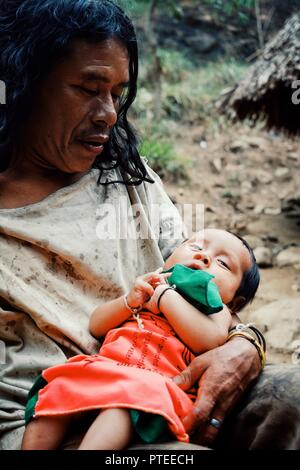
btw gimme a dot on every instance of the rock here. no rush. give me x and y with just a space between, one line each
259 209
263 256
255 142
264 177
284 192
270 238
291 205
213 210
289 257
294 156
272 210
238 222
216 165
253 241
246 187
283 174
296 287
238 146
201 42
296 352
280 323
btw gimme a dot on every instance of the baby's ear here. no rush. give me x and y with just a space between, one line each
237 304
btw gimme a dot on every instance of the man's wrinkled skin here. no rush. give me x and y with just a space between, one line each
223 375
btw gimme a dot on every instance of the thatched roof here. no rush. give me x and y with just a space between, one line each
266 92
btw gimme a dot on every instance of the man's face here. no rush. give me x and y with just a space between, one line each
76 107
219 253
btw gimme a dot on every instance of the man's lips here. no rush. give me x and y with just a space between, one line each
94 144
91 147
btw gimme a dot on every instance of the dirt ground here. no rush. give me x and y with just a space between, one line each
243 177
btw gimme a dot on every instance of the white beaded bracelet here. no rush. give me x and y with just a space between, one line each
133 310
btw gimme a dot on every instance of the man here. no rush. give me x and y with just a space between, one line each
67 151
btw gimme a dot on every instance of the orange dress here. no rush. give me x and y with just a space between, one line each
133 370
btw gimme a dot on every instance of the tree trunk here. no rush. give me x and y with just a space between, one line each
155 74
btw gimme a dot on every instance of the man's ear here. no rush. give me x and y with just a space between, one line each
237 304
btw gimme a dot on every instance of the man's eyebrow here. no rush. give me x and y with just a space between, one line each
92 77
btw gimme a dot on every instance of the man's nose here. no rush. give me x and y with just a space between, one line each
204 257
105 112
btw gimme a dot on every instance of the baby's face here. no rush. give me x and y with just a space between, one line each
219 253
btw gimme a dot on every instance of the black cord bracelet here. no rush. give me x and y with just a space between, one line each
258 334
159 298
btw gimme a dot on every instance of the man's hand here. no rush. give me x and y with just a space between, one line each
223 375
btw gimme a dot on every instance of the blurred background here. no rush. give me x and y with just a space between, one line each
205 66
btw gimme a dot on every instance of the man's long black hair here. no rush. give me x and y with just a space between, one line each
34 36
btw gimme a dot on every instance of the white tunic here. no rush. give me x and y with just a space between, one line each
59 259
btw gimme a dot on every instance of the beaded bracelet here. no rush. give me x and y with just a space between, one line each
133 310
243 334
173 287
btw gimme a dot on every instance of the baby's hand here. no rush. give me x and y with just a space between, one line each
151 305
143 287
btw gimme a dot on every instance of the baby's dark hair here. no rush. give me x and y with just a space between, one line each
250 280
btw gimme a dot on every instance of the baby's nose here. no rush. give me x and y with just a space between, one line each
204 257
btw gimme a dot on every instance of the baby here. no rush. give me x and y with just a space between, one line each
151 335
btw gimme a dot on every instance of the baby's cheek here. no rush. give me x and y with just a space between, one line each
224 289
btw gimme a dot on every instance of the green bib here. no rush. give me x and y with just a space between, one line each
196 287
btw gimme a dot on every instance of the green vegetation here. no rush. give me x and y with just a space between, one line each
187 91
136 8
188 95
242 9
163 158
193 97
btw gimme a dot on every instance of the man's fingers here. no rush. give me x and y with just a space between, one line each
201 412
191 374
208 433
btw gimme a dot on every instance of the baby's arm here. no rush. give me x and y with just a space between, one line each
113 313
198 331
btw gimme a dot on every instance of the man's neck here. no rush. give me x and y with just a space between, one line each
26 183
